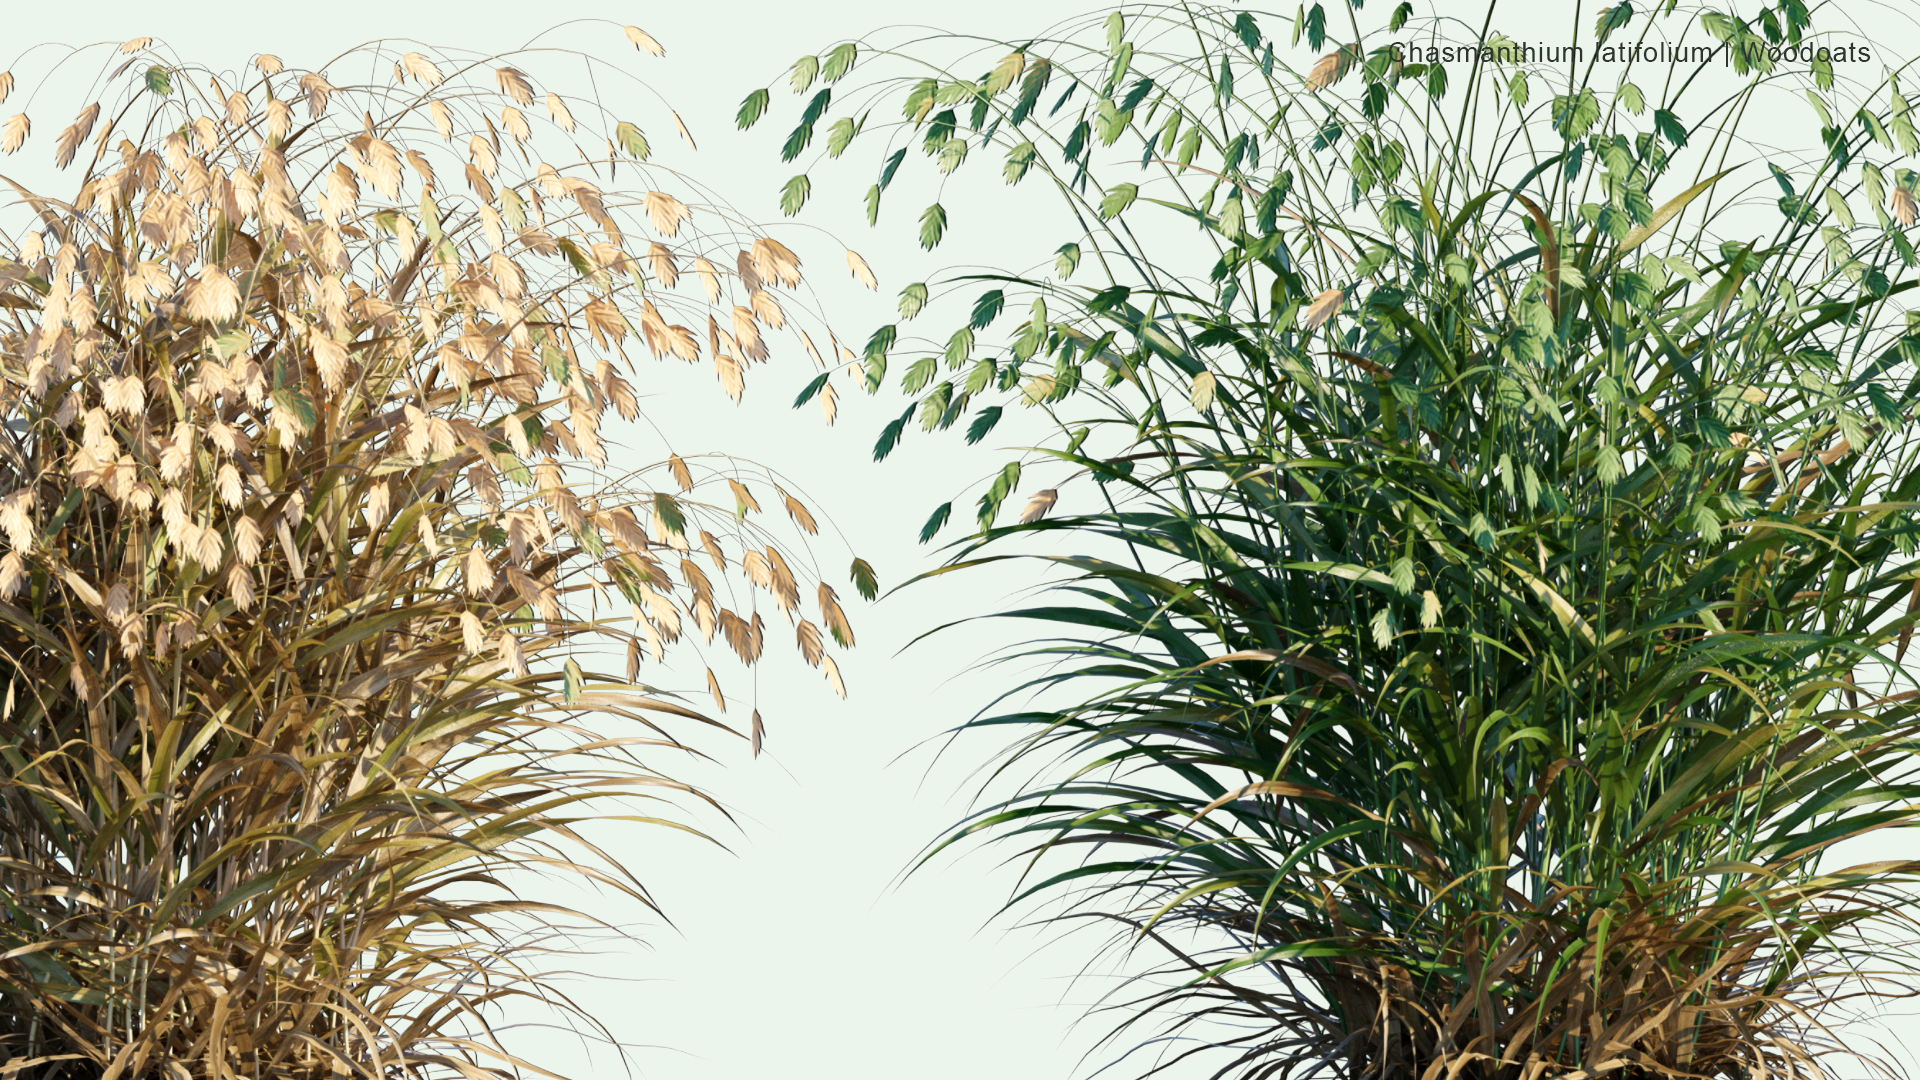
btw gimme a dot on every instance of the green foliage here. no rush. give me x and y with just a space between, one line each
933 226
631 140
864 580
1516 575
794 195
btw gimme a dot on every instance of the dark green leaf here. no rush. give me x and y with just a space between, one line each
983 422
890 436
1249 34
812 388
987 308
936 521
796 142
817 107
893 164
1670 126
669 512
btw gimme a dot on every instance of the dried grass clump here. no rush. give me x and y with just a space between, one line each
310 549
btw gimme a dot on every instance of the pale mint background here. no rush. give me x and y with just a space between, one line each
802 953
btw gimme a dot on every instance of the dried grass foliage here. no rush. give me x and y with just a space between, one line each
313 551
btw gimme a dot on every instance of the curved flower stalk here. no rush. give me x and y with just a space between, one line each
319 564
1505 558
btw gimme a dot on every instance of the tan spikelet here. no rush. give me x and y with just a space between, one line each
812 648
375 505
767 309
660 262
482 155
125 395
1326 70
747 333
208 549
833 676
557 109
829 403
1324 307
279 119
473 636
510 652
18 128
834 616
6 85
214 297
227 483
247 540
681 126
479 572
1904 209
75 134
798 512
713 687
681 474
267 64
644 41
710 544
742 496
774 261
421 165
862 273
422 69
240 587
318 90
1038 506
513 83
666 213
135 45
625 401
14 519
732 374
709 277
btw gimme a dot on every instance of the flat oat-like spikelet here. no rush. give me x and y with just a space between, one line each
862 273
644 41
